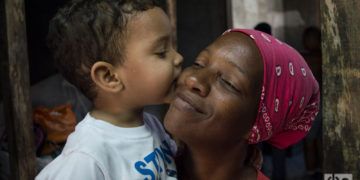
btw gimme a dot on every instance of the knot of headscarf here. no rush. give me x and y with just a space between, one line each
290 94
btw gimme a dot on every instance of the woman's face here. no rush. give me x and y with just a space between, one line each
217 97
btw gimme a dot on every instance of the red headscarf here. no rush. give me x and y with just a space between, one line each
290 94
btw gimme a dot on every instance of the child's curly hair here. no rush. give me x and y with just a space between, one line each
86 31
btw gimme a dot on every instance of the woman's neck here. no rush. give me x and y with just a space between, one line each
221 163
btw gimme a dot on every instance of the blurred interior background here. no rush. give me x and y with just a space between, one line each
198 23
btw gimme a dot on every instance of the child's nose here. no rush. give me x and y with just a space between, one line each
178 59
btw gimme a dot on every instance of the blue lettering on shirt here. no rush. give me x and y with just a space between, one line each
161 153
139 166
152 157
167 151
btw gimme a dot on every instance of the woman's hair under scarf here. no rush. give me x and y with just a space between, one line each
290 94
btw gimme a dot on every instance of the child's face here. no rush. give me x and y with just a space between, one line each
151 64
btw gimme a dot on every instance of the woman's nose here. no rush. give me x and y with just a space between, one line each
197 82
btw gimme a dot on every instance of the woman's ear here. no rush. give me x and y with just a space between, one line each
247 135
105 77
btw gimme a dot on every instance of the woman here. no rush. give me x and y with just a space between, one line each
244 88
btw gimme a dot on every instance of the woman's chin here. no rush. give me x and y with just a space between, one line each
173 122
170 124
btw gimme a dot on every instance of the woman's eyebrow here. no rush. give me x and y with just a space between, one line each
239 68
203 52
231 62
206 50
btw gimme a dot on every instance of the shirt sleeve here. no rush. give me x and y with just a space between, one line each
156 125
75 165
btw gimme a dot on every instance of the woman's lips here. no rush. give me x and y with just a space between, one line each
185 103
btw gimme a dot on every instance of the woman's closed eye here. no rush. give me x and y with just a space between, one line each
229 84
197 65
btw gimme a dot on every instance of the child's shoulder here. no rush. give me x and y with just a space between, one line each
86 138
156 126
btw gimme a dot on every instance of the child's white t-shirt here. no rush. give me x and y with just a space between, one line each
98 150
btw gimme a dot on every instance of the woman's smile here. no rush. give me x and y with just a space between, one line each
185 102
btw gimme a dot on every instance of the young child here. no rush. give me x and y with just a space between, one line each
119 54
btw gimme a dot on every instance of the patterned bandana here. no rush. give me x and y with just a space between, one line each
290 94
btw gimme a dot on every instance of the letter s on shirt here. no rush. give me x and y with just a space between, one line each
140 167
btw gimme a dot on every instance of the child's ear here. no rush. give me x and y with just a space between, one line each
105 77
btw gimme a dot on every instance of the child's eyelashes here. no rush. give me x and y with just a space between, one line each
163 49
161 54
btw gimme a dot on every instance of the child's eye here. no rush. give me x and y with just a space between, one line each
161 54
229 84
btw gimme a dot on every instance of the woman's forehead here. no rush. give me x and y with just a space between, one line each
235 42
236 47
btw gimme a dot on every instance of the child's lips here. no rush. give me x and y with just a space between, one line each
174 83
171 92
173 86
177 74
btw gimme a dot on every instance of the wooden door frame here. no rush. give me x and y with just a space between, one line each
341 86
15 89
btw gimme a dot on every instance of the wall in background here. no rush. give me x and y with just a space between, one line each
248 13
288 18
298 16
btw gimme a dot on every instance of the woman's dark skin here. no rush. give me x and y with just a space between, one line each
215 108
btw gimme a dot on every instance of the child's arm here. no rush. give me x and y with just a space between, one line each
75 165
